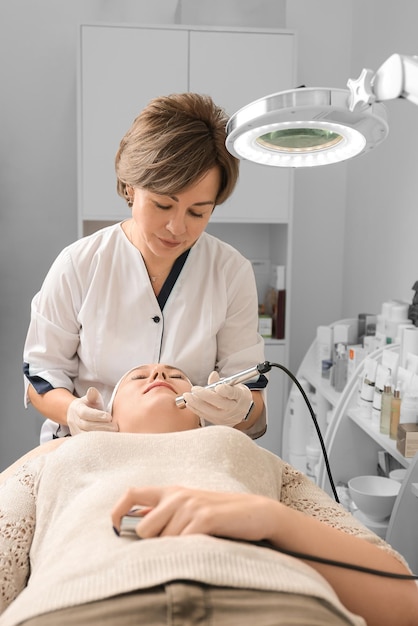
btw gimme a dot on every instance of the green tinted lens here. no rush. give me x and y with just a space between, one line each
299 139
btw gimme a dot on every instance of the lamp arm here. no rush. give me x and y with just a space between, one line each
397 77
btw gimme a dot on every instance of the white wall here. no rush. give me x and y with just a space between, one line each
381 242
38 189
355 223
323 30
252 13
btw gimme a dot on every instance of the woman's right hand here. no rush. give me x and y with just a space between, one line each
87 413
226 404
175 510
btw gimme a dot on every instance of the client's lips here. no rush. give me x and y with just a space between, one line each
159 383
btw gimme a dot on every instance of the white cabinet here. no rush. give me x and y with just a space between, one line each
121 68
236 68
352 443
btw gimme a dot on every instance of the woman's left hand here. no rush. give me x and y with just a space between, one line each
225 404
173 511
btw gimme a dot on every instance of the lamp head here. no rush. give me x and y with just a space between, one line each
305 127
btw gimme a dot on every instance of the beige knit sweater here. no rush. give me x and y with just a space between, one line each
55 521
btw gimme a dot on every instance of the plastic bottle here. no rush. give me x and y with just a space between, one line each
386 407
395 410
365 400
409 407
383 374
340 367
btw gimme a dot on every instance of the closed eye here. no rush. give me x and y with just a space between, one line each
195 214
167 207
139 377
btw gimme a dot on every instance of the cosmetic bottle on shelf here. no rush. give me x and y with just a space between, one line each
365 400
395 410
340 367
409 406
386 408
383 374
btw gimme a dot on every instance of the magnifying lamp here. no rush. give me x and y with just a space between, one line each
319 126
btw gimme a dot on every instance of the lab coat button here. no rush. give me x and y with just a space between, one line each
156 319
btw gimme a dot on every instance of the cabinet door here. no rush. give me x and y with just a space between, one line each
236 68
122 68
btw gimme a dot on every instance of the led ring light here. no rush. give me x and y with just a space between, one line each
305 127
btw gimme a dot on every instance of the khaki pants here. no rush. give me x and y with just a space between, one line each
189 604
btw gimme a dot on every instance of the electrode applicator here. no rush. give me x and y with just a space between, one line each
241 377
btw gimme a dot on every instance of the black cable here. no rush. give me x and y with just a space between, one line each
357 568
318 430
350 566
308 557
325 561
262 368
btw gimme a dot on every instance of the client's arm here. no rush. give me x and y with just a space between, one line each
17 525
44 448
180 511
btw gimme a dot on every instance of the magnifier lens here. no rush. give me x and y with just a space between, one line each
299 139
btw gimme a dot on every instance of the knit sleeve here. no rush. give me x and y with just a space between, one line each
17 524
300 493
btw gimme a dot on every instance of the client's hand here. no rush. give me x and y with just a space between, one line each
87 413
176 511
225 404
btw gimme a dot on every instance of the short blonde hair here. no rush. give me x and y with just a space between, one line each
172 144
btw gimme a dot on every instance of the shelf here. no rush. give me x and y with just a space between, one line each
353 444
271 341
384 441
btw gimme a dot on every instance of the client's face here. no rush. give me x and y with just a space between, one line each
145 401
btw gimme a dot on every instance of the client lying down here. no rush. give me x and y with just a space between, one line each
219 514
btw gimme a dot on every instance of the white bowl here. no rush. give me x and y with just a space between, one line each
374 495
398 475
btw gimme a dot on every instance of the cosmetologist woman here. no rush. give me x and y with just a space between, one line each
153 288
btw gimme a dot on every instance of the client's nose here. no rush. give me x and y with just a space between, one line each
159 373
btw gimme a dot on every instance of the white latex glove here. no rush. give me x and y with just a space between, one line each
225 404
87 413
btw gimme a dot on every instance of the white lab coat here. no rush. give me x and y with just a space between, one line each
96 315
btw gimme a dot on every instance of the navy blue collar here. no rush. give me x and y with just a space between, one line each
171 279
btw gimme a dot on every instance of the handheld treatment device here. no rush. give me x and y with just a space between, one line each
241 377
